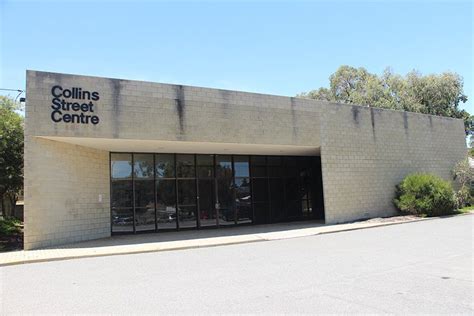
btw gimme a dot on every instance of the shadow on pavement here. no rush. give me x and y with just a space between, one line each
164 236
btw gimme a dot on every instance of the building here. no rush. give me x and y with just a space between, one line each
105 156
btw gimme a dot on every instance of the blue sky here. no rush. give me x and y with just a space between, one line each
269 47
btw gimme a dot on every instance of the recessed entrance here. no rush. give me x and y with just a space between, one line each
155 192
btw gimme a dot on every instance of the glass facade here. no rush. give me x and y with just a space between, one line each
151 192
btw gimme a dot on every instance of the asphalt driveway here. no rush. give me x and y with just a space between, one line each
420 267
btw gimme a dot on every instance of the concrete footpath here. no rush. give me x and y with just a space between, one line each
153 242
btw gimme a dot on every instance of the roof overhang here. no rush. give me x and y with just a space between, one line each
162 146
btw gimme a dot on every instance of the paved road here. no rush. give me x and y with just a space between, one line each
423 267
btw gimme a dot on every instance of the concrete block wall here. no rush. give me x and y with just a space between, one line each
63 180
365 152
152 111
62 187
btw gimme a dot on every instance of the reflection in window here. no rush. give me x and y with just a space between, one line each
122 220
310 207
145 219
306 208
225 199
186 192
241 166
143 166
205 171
205 160
165 193
122 194
205 166
144 194
303 192
206 202
187 203
185 166
243 201
224 166
166 204
164 165
121 165
187 216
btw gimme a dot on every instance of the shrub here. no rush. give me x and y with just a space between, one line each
10 226
425 194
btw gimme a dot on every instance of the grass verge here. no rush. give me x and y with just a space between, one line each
466 209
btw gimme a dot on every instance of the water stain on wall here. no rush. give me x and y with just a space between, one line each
294 121
116 90
372 120
405 122
355 114
226 97
180 109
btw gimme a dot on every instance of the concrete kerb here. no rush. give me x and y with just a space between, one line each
21 257
361 226
130 252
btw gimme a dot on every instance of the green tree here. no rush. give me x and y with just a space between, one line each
11 154
463 175
431 94
469 126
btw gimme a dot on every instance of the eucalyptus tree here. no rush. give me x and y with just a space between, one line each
437 94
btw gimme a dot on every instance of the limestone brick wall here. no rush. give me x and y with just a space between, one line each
365 152
63 181
62 187
152 111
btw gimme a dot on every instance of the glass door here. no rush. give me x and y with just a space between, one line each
186 184
243 192
122 193
206 190
225 191
144 192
